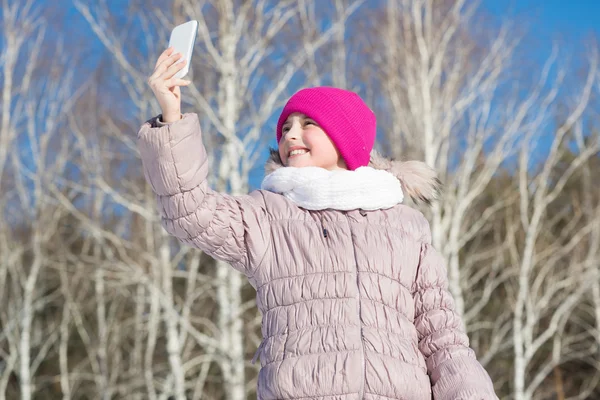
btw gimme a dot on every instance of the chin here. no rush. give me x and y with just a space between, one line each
300 165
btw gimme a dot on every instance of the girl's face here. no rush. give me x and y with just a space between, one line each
304 144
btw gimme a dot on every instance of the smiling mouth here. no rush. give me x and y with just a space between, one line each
297 152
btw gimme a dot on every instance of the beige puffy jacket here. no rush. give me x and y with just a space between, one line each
354 303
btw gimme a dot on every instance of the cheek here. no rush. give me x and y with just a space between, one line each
281 153
314 138
322 145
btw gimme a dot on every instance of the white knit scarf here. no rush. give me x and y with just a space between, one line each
316 188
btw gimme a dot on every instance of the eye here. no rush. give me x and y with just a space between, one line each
309 122
285 129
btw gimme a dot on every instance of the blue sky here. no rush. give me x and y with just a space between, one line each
569 20
571 24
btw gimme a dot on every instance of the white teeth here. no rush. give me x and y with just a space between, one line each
295 152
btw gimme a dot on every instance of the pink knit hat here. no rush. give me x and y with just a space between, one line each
347 120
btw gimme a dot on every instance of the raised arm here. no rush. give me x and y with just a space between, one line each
229 228
176 166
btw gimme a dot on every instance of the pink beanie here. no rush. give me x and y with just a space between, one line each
347 120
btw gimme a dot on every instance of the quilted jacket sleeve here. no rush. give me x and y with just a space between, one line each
454 371
228 228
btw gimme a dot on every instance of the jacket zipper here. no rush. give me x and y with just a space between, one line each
323 228
360 324
361 393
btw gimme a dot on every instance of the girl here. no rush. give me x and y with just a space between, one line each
353 297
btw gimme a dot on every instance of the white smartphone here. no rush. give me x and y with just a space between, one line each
182 40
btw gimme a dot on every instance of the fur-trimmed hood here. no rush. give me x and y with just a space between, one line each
418 180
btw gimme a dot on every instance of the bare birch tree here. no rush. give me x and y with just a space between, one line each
441 85
32 109
551 281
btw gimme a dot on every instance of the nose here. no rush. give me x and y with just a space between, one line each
293 133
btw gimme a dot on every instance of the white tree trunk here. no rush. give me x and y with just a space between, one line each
17 15
102 378
229 281
173 345
231 327
556 301
65 384
25 376
10 55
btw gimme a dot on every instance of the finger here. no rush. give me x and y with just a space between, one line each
173 82
172 70
166 64
164 55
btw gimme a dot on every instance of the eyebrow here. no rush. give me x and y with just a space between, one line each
303 118
287 123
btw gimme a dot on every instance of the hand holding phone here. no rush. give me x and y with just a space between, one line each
170 67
